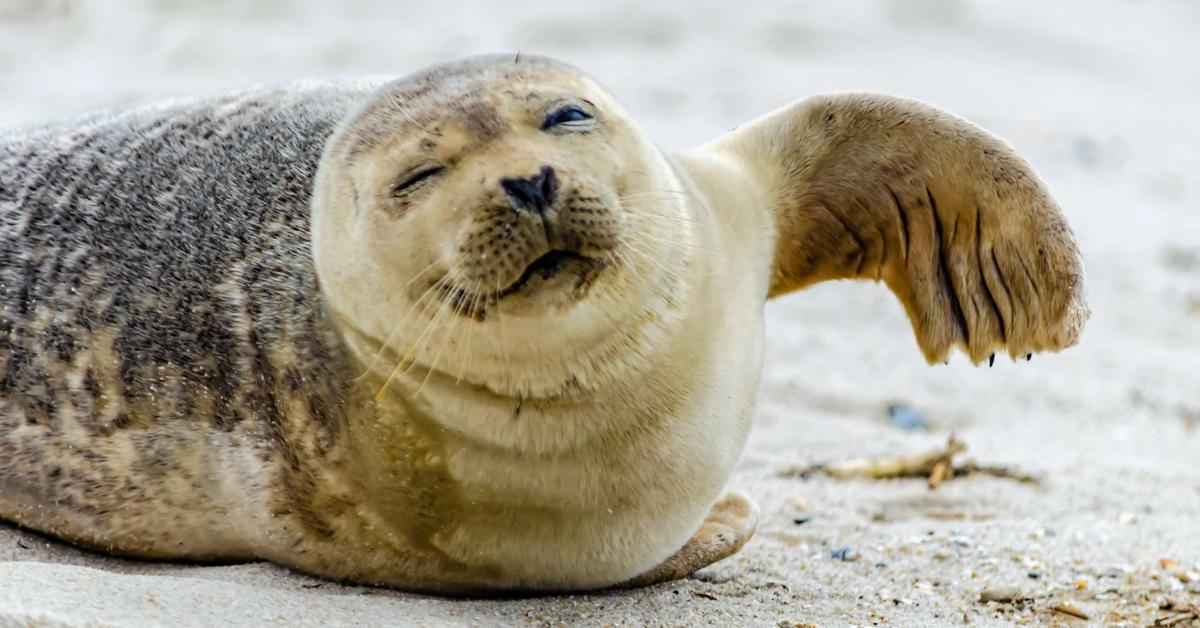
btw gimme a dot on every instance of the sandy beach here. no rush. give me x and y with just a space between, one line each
1101 97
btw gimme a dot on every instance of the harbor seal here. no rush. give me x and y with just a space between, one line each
468 330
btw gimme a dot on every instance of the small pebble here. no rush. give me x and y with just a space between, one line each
847 554
906 418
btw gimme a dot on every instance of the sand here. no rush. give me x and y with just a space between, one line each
1100 96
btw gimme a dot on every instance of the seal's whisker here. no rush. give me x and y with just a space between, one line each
421 126
665 232
610 308
644 256
396 328
465 358
453 322
674 218
419 305
677 223
421 338
487 302
442 312
445 316
680 243
464 347
684 193
632 245
520 45
653 196
665 219
667 236
699 205
716 270
500 322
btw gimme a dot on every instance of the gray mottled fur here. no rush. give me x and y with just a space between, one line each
151 264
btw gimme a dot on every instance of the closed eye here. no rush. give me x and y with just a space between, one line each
418 179
570 115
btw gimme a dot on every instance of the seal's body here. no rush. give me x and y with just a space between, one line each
467 330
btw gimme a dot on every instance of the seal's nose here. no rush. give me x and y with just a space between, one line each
535 193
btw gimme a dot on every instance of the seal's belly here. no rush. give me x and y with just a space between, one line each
616 522
601 515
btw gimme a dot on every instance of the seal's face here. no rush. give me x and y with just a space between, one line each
517 186
494 193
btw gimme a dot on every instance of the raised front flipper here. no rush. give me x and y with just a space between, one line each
866 186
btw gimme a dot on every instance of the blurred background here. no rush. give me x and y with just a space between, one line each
1102 97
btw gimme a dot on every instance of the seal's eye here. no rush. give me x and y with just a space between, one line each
571 115
416 180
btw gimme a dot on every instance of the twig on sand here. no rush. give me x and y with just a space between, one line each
1067 608
1180 613
936 466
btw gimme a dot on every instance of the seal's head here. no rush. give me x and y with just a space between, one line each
506 202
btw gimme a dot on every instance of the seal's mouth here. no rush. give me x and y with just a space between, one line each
564 272
547 267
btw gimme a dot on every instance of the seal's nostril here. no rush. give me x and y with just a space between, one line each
548 184
524 194
535 193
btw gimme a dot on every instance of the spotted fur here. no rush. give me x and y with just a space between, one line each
159 302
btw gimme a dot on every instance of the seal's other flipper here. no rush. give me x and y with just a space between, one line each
866 186
730 523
